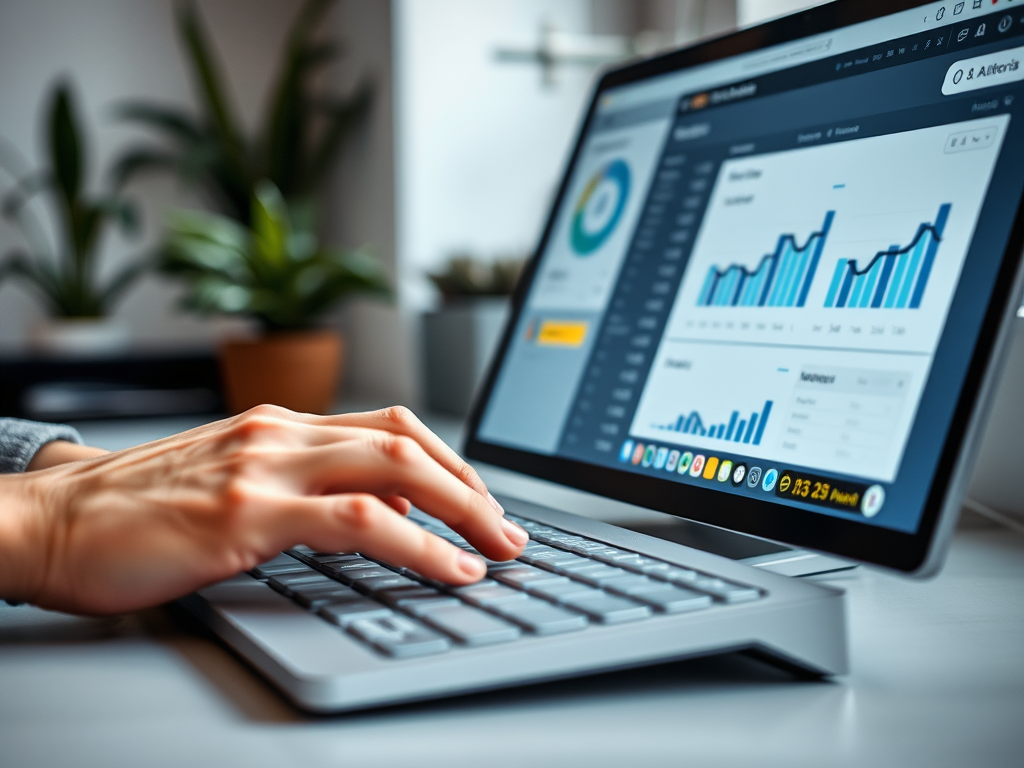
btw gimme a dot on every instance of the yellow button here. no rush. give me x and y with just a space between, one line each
562 333
710 467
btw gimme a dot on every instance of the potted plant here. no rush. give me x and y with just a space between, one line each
64 272
276 272
295 148
460 336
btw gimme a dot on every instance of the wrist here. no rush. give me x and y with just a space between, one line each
59 452
24 541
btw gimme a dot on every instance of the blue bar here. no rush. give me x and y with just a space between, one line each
740 428
858 288
883 281
815 258
929 259
750 428
844 292
837 279
908 279
767 286
707 292
679 424
782 277
796 282
732 424
764 420
897 280
872 280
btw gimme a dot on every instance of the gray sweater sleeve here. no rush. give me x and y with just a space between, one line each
19 441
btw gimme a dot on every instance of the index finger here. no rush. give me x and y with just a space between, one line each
402 421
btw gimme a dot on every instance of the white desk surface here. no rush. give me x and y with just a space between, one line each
937 680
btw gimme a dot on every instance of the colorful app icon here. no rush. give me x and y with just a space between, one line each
724 471
685 462
626 453
648 458
874 498
697 466
672 462
770 478
638 454
710 467
753 477
738 473
660 458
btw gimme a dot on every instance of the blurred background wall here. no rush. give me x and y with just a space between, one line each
461 151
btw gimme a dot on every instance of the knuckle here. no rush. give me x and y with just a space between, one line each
235 495
399 416
401 449
359 512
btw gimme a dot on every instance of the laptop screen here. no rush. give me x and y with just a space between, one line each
766 275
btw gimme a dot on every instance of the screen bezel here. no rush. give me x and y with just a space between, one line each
801 528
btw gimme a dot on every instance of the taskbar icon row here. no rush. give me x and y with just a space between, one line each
848 496
672 460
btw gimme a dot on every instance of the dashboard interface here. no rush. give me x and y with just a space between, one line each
767 274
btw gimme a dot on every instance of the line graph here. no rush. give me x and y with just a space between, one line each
782 278
895 278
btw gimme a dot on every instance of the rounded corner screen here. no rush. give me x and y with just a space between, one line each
767 274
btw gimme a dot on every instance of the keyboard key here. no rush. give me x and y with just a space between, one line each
486 595
286 581
609 609
540 617
669 599
399 636
598 574
565 562
358 574
631 583
421 605
522 575
471 625
561 589
345 566
322 594
394 595
725 591
281 564
391 580
338 557
345 612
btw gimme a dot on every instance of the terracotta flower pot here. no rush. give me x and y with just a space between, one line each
299 371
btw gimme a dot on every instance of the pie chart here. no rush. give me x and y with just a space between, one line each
599 207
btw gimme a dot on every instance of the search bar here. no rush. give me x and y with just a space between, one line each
985 71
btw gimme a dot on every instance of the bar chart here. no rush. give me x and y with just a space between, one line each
782 278
747 430
895 278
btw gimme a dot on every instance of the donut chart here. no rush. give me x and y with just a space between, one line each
599 207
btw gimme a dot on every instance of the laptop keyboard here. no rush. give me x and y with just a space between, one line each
561 583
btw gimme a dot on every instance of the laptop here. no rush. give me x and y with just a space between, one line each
771 297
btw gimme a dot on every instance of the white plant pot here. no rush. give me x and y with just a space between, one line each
79 337
458 342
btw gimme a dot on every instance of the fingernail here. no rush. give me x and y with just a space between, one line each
494 503
514 533
471 565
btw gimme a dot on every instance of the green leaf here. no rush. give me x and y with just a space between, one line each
65 145
138 160
212 93
341 117
270 228
176 123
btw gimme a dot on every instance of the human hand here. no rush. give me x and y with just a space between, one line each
141 526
